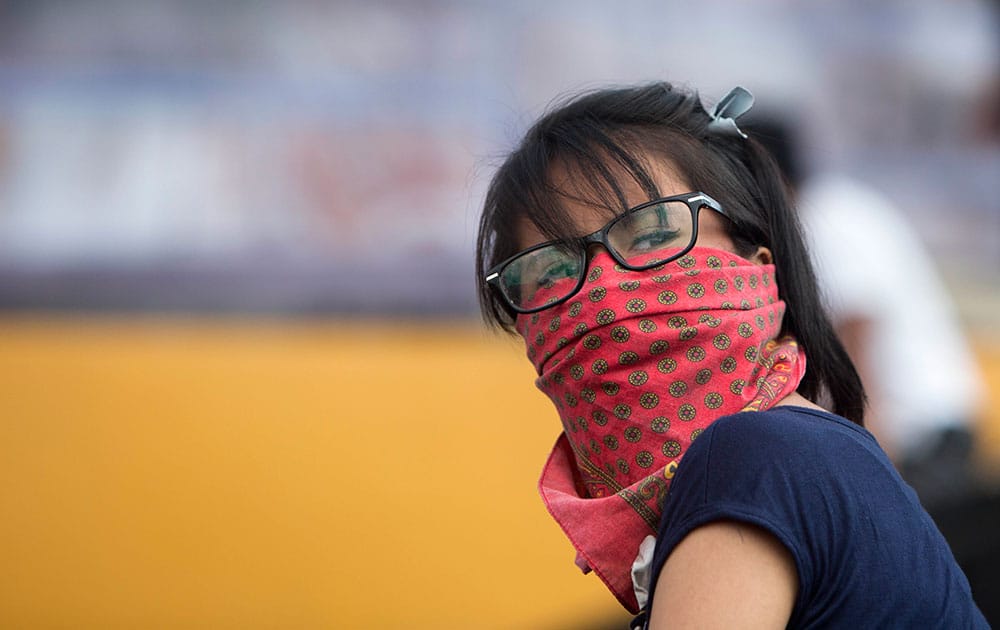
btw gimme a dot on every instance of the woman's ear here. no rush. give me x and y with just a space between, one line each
762 256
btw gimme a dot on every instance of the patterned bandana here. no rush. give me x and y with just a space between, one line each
638 364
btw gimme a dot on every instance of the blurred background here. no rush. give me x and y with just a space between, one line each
242 379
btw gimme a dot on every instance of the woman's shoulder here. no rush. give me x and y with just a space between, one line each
788 427
792 449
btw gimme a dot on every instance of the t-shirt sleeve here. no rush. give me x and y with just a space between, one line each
756 468
830 495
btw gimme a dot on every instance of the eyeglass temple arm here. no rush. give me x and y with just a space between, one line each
708 201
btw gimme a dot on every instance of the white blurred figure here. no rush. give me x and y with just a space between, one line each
897 321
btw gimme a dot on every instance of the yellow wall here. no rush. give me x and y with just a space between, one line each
218 474
221 474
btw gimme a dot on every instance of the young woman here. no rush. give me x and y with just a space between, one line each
646 251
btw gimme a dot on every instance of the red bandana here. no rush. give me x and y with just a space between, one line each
638 364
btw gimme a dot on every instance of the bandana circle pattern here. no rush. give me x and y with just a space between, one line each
638 364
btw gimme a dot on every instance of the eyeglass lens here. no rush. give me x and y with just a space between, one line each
644 237
542 276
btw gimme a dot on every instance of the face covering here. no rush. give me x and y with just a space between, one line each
638 364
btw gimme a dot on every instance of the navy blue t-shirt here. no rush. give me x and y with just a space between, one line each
867 554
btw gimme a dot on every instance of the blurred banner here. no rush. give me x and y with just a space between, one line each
312 157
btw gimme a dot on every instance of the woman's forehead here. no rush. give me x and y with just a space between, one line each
585 209
576 184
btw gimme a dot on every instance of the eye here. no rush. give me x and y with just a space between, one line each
650 239
556 271
650 229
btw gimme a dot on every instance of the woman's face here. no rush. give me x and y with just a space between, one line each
589 219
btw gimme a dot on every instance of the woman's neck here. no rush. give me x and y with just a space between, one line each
798 400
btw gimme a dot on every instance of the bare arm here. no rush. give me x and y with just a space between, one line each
726 575
855 333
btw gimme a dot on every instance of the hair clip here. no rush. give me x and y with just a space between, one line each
732 106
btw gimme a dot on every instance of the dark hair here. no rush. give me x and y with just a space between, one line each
601 136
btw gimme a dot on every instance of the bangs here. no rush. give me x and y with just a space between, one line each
579 163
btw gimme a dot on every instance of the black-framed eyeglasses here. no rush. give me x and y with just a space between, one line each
646 236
